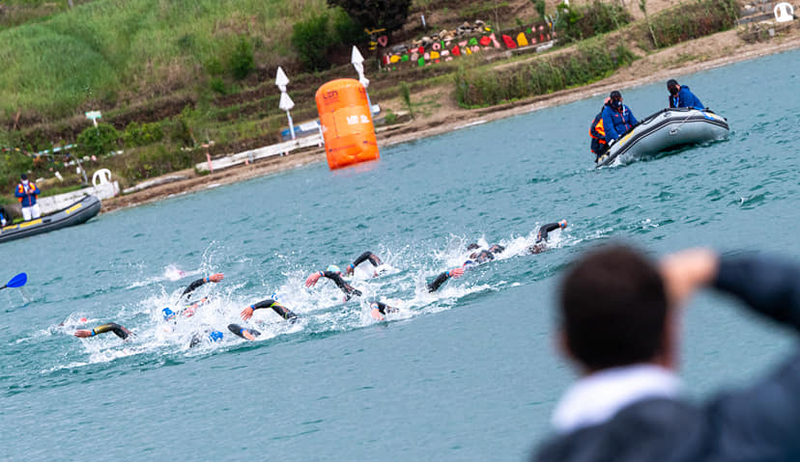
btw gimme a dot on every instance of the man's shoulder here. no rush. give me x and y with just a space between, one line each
656 429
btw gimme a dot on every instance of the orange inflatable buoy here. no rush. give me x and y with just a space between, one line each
346 121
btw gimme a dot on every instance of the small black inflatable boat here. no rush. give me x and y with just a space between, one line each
76 214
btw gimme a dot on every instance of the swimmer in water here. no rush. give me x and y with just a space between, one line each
541 237
281 310
243 332
484 256
118 330
334 274
209 334
379 309
188 310
374 259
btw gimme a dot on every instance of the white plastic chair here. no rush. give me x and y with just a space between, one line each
101 176
784 12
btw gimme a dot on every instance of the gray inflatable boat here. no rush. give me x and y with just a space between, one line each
664 130
75 214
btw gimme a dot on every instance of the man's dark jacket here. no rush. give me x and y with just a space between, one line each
759 423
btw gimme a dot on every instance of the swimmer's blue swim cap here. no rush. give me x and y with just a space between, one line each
215 336
333 268
469 264
274 296
168 314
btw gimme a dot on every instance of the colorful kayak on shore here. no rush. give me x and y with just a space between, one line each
76 214
666 129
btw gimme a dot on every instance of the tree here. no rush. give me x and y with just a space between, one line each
643 7
376 14
311 39
540 8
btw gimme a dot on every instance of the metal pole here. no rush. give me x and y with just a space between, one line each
291 125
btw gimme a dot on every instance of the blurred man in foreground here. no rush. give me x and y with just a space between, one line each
623 334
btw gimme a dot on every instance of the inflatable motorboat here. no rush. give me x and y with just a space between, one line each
75 214
664 130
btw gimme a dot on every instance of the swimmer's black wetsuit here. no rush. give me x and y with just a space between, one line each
237 330
541 237
348 290
544 229
382 307
477 258
193 286
282 311
434 286
367 256
118 330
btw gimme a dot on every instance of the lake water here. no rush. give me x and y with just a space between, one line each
468 373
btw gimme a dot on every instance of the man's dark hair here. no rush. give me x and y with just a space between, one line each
615 95
613 308
672 83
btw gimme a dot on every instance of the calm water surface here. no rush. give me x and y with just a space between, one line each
468 373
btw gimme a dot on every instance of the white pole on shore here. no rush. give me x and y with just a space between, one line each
286 102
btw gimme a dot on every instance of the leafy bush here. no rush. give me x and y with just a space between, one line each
241 61
155 161
694 19
578 23
311 39
179 129
589 62
390 117
389 14
347 31
13 163
98 141
142 135
218 85
540 7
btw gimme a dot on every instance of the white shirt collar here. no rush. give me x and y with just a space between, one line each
595 398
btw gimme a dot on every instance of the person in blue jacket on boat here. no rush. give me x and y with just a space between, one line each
26 193
681 96
617 118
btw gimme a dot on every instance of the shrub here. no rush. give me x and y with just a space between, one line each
13 163
347 31
311 39
218 85
694 19
141 135
540 7
97 141
593 19
405 95
154 161
180 127
389 14
241 61
390 117
589 62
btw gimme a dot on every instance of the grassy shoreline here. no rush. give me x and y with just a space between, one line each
250 118
447 119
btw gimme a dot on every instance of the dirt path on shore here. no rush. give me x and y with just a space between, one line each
441 114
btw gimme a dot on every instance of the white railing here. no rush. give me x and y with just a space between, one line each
260 153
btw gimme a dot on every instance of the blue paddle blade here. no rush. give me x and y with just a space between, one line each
18 280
